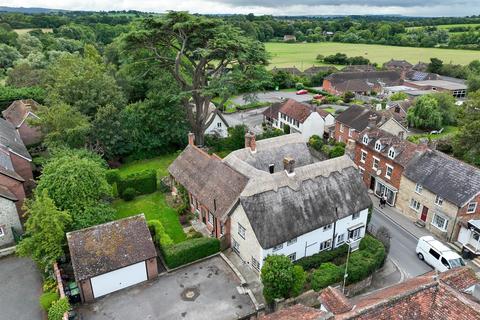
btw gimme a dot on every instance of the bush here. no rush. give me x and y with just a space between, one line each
58 308
316 142
189 250
279 278
300 278
299 86
158 233
365 261
49 285
129 194
143 182
314 261
112 176
286 129
326 275
336 151
47 298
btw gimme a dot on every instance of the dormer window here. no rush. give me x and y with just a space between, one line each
391 153
365 139
378 146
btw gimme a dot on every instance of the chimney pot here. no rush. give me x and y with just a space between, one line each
289 165
250 141
372 121
191 138
401 135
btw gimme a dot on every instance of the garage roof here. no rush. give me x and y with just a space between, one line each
110 246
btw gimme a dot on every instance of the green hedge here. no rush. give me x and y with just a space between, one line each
58 309
326 275
314 261
47 298
144 182
112 176
178 254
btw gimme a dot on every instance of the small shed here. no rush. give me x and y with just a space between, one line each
112 256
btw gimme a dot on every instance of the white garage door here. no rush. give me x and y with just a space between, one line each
119 279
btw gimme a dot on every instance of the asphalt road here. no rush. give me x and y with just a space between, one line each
402 246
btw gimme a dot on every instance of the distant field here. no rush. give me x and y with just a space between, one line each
302 55
448 26
23 31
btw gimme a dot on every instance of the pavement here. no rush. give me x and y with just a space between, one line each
274 96
252 118
208 290
20 288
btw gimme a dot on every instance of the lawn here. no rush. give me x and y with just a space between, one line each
155 207
302 55
23 31
329 110
448 131
160 164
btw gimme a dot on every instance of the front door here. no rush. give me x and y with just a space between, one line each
372 183
423 217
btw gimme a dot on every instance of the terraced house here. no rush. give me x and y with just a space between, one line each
275 197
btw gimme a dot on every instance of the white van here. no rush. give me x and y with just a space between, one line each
438 255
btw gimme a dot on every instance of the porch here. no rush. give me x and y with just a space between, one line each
469 237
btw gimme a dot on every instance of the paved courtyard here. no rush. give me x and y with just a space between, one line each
205 290
20 288
275 96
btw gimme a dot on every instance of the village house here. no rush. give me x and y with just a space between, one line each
360 82
452 295
359 68
457 89
355 119
441 193
294 71
9 219
217 124
381 158
274 197
302 118
112 256
314 70
402 66
18 114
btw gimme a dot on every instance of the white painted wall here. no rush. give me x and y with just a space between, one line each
313 125
329 120
119 279
214 128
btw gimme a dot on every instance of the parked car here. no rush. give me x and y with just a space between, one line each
318 97
303 91
438 255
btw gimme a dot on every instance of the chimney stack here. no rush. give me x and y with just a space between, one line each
289 166
250 141
191 138
401 135
350 149
372 121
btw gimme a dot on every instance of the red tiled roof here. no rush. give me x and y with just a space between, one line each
296 312
323 113
335 301
17 111
296 110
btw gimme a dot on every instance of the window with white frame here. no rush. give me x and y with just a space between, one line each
378 146
389 172
418 188
219 124
2 231
293 256
235 245
365 139
340 239
292 241
210 218
255 264
363 156
356 215
361 170
277 247
472 206
328 227
415 205
241 231
438 200
326 245
341 127
391 153
376 163
355 234
350 132
440 222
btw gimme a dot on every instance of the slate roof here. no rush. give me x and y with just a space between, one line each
110 246
292 70
7 194
281 208
398 64
404 149
356 117
211 181
272 111
388 77
10 139
445 176
316 69
296 110
18 111
295 312
355 85
359 68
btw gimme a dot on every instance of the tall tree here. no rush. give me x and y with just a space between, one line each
200 53
467 142
44 231
425 114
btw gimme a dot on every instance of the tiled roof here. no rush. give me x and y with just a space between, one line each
388 77
356 117
110 246
398 64
272 111
296 110
18 110
335 301
292 70
323 113
7 194
314 70
451 179
10 138
295 312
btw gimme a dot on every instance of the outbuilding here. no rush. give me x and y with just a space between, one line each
112 256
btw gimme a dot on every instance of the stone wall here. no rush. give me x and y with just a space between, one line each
8 219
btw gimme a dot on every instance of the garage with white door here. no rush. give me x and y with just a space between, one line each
112 256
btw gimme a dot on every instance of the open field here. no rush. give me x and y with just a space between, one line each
448 26
23 31
302 55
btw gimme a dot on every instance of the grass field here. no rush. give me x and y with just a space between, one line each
302 55
448 26
160 164
23 31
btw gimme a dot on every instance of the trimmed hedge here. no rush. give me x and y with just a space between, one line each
47 299
129 194
327 274
143 182
178 254
316 260
112 176
58 309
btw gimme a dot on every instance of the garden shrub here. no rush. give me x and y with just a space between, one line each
365 261
314 261
336 151
160 236
49 285
300 277
47 298
189 250
144 182
327 274
58 308
299 86
129 194
316 142
112 176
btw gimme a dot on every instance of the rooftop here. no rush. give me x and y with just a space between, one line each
10 139
110 246
443 84
356 117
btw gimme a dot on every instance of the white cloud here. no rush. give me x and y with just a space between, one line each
274 7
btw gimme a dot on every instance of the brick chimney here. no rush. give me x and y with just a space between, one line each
289 166
350 149
250 141
401 135
191 138
372 121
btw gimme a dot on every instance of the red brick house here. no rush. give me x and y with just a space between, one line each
381 158
353 121
213 187
18 114
360 82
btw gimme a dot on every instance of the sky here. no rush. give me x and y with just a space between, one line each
272 7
